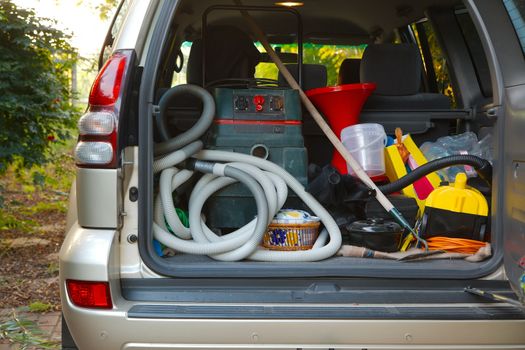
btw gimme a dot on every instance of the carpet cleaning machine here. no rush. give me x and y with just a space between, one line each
253 152
177 160
265 123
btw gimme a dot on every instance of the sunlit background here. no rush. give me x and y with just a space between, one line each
82 20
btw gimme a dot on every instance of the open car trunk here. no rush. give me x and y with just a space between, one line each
202 266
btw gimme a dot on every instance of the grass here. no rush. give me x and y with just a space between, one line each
53 268
38 306
25 333
32 213
55 204
56 175
47 186
9 221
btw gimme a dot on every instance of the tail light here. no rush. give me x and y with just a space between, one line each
89 294
97 146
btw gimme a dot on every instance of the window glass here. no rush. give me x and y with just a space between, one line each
516 9
118 20
331 56
477 54
180 77
438 71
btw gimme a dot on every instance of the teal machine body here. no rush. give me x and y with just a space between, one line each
265 123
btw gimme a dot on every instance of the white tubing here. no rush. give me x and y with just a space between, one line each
244 242
176 157
321 253
266 181
227 249
172 179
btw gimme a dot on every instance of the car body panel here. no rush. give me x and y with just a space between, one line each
97 194
95 250
114 330
85 254
507 66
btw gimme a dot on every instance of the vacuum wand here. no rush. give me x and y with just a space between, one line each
383 200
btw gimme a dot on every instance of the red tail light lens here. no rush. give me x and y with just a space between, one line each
106 88
88 294
98 142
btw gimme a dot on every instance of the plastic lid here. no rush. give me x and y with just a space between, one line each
293 216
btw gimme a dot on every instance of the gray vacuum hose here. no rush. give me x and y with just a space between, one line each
267 182
202 125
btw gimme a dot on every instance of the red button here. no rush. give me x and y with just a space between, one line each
258 101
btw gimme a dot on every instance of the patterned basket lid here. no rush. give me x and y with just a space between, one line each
294 216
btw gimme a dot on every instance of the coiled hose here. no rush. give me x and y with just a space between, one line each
266 181
482 167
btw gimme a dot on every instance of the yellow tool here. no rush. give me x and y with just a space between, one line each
455 211
396 168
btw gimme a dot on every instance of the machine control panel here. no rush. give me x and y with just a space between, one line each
259 103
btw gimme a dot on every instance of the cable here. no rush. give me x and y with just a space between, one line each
455 245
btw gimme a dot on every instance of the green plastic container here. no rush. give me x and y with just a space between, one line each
266 123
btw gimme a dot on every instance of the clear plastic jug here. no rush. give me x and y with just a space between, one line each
366 143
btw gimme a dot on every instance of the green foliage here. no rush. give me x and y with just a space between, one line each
107 8
53 268
439 61
331 56
35 98
43 207
56 176
24 333
9 222
38 306
50 183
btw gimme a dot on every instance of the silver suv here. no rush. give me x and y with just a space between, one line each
159 256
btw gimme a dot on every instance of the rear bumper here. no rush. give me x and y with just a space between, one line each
93 255
114 330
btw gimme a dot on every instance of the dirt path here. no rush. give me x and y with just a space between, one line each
32 224
30 240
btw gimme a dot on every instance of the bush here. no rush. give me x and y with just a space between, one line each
35 98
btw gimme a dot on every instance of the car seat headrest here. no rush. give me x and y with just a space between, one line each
314 75
395 68
349 71
230 53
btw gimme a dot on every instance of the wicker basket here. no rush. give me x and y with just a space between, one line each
291 236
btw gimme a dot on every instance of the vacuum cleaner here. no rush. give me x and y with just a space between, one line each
178 158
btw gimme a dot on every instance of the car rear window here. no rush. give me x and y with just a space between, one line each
475 48
516 10
331 56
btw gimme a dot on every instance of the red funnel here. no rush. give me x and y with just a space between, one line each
341 105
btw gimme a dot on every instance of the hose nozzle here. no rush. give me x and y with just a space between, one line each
404 223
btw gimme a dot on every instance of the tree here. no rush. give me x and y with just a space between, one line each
105 8
330 56
35 97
